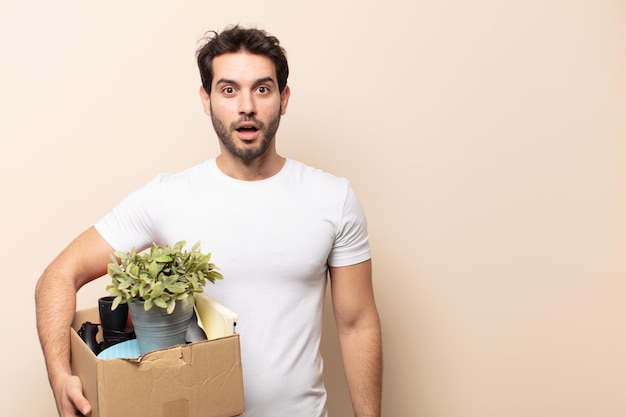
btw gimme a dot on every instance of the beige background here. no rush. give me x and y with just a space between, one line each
486 140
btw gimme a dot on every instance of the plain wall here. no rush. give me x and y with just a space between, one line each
485 139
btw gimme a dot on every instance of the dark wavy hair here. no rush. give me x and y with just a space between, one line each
238 39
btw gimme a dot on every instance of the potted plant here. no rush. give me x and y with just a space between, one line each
159 285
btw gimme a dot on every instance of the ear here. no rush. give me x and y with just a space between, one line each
284 100
206 101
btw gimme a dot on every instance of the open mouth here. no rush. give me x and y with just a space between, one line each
247 130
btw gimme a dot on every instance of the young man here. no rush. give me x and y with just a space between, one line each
274 226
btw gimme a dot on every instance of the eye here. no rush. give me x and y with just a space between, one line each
228 90
263 89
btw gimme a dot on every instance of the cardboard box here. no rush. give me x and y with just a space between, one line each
194 380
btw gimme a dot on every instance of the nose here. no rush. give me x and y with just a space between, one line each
247 105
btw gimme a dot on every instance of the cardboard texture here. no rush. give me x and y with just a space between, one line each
202 379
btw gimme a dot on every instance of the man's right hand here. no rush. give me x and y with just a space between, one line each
70 399
82 261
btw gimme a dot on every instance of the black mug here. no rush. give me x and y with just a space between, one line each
112 320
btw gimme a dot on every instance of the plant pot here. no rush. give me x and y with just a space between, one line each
112 319
155 329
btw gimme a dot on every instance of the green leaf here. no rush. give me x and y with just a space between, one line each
160 302
171 306
133 270
124 284
116 302
163 258
120 255
153 269
177 288
157 290
114 268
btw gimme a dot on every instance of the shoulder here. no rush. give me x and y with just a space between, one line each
326 189
189 176
315 176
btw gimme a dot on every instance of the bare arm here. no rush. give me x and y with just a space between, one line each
84 260
359 332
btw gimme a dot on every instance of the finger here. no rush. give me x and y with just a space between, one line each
75 394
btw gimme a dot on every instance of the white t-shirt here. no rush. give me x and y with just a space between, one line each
273 241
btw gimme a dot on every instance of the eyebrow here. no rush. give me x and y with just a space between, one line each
257 82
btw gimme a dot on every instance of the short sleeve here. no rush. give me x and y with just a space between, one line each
131 223
352 242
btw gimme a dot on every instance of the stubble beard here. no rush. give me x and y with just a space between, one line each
246 153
